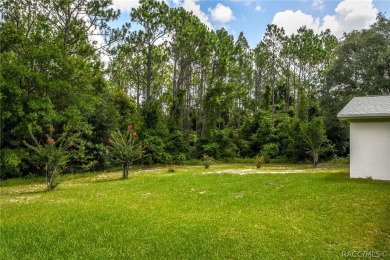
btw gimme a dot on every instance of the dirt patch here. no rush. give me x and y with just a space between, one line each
278 170
24 189
115 175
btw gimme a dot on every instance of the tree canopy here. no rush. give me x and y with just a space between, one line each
189 91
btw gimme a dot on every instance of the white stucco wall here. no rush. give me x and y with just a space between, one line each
370 150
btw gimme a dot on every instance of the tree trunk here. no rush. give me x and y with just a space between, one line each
315 159
299 91
273 91
149 72
126 171
288 88
204 122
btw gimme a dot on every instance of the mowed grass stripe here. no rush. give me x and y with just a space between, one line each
190 214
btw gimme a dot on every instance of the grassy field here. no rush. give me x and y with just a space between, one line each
227 211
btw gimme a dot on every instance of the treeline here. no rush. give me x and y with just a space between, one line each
186 89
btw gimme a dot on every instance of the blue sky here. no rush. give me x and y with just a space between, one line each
252 16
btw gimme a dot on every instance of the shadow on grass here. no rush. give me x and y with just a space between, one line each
337 176
345 177
22 181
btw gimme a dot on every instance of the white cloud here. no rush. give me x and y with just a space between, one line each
291 21
318 4
125 5
349 15
245 2
258 8
222 14
192 6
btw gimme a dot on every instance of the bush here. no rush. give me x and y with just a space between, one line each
270 151
193 162
155 152
176 145
224 142
179 159
239 160
280 159
11 163
207 160
221 145
259 161
340 160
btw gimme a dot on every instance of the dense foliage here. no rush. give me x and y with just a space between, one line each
189 90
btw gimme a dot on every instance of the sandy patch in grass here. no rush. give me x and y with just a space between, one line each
276 170
107 176
23 199
148 170
33 188
118 175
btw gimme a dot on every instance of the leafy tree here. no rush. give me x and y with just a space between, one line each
50 68
187 38
52 156
359 68
241 73
261 56
153 17
273 39
125 149
314 136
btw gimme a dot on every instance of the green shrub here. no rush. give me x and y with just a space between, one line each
207 160
212 148
179 159
239 160
176 146
155 152
193 162
11 163
223 141
270 151
259 161
280 159
340 160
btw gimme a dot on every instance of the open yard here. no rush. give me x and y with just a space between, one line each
227 211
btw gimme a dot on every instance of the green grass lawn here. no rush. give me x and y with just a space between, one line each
226 211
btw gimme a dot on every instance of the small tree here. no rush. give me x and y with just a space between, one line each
124 149
52 156
259 161
207 160
314 136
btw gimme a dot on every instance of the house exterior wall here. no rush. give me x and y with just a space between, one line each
370 150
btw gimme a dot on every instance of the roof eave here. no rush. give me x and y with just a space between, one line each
381 117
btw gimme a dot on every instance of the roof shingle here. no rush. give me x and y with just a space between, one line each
366 107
